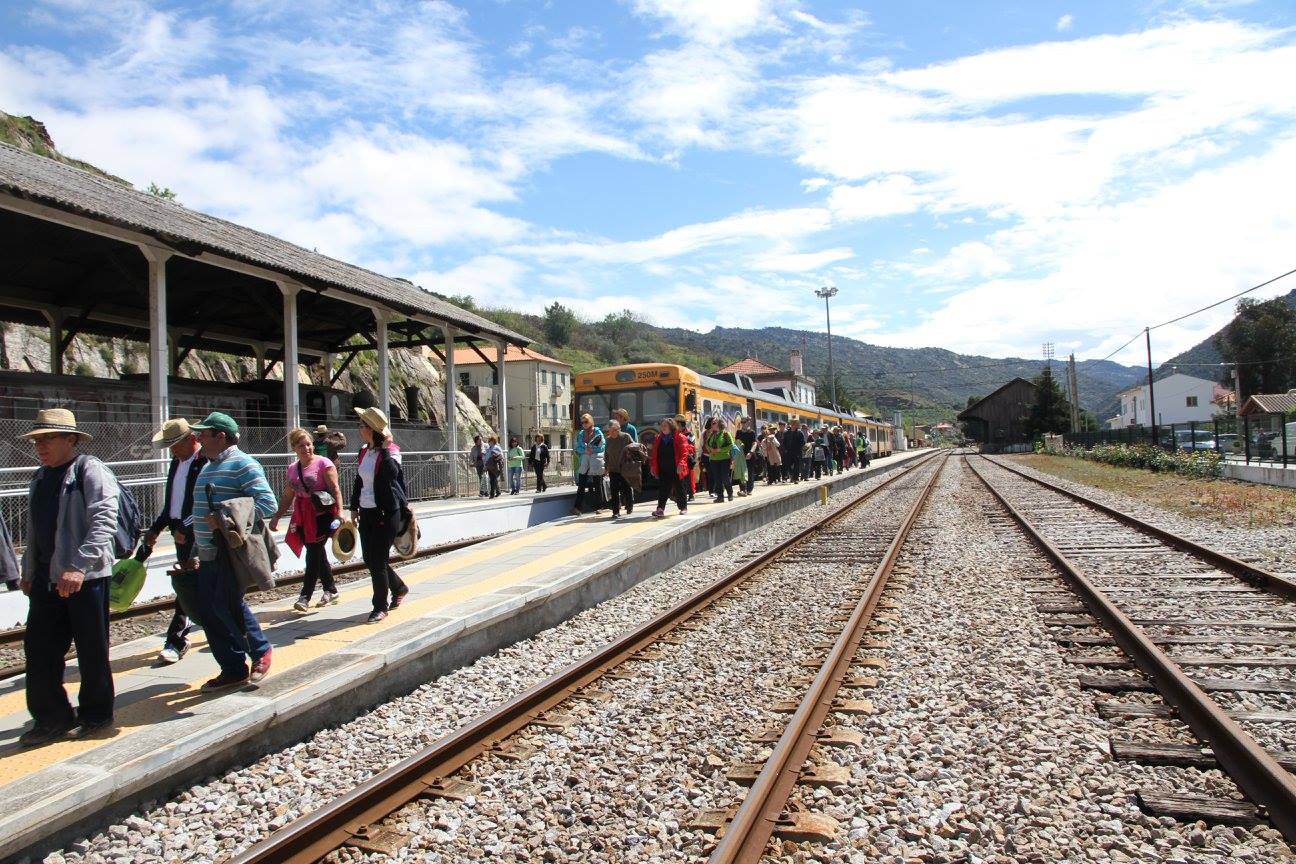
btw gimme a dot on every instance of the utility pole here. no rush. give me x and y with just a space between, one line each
827 292
1237 387
1147 332
1073 386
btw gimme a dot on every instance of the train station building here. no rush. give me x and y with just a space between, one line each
83 253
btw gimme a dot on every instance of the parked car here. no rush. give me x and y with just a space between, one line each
1188 439
1229 442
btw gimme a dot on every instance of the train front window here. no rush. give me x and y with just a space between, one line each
647 406
658 403
597 405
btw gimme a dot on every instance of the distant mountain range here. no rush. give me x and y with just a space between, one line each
890 378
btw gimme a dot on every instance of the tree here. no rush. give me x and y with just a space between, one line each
972 400
164 192
559 324
1262 337
1051 411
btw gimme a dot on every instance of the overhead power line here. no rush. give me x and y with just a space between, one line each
1225 300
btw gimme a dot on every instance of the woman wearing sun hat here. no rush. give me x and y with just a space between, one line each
378 502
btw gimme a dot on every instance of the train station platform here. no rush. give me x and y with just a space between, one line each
441 521
329 665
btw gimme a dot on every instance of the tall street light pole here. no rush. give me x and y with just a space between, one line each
827 292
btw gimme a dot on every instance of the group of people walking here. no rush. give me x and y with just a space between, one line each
490 461
610 461
76 526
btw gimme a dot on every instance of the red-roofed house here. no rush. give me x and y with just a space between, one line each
537 388
792 382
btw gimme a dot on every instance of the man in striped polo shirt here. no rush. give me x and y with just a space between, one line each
211 593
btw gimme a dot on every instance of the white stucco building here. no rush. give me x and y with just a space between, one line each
538 390
1179 399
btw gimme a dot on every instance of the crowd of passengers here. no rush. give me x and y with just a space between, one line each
720 458
219 509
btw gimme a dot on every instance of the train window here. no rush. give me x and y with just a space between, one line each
658 403
597 405
706 407
335 406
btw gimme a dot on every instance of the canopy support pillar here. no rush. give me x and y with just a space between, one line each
501 348
292 393
159 396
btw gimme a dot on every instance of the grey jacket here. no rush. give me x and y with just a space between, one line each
9 571
246 539
87 521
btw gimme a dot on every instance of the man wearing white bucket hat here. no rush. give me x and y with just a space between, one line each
187 462
71 521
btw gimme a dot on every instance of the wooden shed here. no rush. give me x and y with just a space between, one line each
996 421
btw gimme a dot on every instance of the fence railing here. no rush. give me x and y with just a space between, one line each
1254 439
429 475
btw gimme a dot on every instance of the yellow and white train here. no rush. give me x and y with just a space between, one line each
651 391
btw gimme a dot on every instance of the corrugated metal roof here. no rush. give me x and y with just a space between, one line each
47 181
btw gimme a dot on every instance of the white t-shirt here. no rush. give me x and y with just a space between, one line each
178 485
368 465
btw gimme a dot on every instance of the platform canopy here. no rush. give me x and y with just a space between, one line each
83 253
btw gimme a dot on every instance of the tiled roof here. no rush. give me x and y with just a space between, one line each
46 181
1270 403
469 357
749 366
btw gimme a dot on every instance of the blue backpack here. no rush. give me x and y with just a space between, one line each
130 522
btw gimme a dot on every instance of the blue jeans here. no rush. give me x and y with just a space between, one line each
211 597
515 479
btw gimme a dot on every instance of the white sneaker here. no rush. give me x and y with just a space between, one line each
329 598
169 655
302 604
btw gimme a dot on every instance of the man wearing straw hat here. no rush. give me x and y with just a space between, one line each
187 462
71 521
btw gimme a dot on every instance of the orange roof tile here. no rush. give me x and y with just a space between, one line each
749 366
514 354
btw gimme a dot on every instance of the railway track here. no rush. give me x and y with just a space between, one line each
1214 636
164 606
758 597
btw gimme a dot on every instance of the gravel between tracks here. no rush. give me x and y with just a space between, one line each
1271 548
211 820
982 747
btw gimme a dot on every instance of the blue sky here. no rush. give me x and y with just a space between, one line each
977 176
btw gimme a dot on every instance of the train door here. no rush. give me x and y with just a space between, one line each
751 411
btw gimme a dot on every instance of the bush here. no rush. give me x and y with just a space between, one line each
1191 463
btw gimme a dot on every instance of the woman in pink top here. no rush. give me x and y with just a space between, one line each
310 526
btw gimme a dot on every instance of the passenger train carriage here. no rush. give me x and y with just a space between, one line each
651 391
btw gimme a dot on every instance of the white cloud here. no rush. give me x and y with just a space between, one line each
711 21
1065 22
770 225
800 262
892 195
689 96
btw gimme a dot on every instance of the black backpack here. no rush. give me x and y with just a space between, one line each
130 522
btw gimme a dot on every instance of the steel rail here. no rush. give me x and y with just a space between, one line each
1255 771
748 832
165 604
355 815
1255 576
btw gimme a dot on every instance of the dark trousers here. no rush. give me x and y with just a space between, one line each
592 482
212 598
720 471
494 484
818 470
376 538
671 487
621 494
772 474
54 623
541 485
317 568
792 468
177 634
